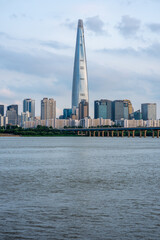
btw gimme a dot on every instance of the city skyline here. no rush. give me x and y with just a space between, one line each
122 41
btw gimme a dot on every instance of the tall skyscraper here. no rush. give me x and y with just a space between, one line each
48 109
103 109
149 111
80 78
2 110
29 106
119 110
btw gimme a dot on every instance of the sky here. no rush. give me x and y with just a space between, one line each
37 47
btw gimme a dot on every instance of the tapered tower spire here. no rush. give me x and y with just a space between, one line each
80 79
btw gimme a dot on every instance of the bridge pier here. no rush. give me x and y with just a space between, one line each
99 133
145 133
133 133
157 133
107 133
140 133
117 133
102 133
90 133
129 133
94 133
112 133
153 134
122 133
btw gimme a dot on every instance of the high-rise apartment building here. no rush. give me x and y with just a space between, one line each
12 114
48 109
24 117
80 79
29 106
149 111
13 106
119 110
103 109
2 110
83 109
3 121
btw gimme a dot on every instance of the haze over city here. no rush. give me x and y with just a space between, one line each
37 47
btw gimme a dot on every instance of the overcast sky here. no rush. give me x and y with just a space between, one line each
37 46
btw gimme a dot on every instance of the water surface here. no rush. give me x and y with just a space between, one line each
79 188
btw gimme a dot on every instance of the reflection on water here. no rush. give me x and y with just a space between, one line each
79 188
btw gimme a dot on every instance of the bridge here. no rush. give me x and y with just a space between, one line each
115 131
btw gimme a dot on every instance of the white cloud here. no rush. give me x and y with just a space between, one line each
95 24
129 26
6 93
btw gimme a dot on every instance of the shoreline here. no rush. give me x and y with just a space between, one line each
14 135
9 135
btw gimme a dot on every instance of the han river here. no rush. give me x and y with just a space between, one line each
79 188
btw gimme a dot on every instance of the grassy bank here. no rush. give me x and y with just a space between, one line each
34 132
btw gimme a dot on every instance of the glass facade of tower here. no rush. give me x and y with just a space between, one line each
80 79
149 111
103 109
120 110
29 106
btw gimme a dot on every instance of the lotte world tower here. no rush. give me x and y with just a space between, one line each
80 79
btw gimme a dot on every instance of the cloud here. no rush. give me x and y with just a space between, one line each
129 26
120 83
119 51
13 16
152 50
154 27
43 63
6 36
7 93
70 24
55 45
52 43
95 24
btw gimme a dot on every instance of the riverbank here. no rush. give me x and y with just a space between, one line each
40 131
8 135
